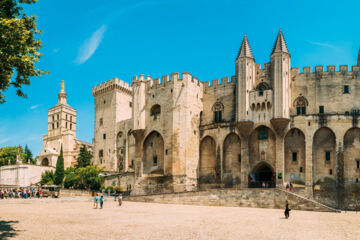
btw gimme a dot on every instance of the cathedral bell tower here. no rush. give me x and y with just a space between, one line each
280 81
245 74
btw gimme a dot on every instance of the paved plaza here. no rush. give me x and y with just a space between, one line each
75 218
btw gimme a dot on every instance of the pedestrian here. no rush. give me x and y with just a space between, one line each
101 201
291 187
287 210
263 184
108 191
120 199
96 200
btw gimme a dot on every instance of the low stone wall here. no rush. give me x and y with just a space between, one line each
74 193
260 198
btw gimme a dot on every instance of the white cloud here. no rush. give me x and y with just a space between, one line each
326 45
90 45
4 140
35 106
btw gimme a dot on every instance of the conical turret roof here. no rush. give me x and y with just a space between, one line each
245 50
280 44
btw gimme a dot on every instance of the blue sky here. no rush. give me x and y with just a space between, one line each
88 42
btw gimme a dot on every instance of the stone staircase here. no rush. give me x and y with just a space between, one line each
242 197
309 200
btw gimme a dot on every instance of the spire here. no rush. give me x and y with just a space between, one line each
280 44
358 63
245 50
62 95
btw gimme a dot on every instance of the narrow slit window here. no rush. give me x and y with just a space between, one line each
294 156
327 156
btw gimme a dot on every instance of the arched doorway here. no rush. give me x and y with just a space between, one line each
262 147
295 156
45 162
262 176
324 156
153 154
351 165
207 166
232 159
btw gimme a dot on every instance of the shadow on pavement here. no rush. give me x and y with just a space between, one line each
6 229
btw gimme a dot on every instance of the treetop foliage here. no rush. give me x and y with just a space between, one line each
18 47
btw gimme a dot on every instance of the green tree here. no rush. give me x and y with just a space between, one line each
59 171
89 177
47 178
19 46
71 178
28 155
9 153
84 158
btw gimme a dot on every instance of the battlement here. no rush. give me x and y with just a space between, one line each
330 71
167 80
216 84
112 84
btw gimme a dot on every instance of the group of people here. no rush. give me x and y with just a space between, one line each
290 187
20 193
100 200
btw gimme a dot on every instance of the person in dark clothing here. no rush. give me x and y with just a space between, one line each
287 210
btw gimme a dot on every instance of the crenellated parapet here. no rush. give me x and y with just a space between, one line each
216 84
167 80
112 84
320 72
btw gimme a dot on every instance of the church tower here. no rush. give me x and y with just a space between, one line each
245 73
61 117
280 77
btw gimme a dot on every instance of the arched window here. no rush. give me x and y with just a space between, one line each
155 111
300 104
261 87
218 108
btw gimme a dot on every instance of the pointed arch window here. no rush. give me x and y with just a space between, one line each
300 104
155 111
261 87
218 108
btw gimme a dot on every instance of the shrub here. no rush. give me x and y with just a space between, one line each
47 178
111 188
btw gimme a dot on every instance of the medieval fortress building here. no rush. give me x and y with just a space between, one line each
269 125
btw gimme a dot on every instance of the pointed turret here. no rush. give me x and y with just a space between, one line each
358 62
280 44
245 50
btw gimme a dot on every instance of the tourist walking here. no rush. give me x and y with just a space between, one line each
291 187
287 210
101 201
120 199
96 200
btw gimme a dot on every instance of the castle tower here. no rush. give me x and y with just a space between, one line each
358 60
280 77
245 73
113 103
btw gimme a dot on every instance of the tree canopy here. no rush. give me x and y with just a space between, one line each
9 153
84 158
59 171
19 47
83 178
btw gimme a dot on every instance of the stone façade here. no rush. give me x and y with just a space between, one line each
273 124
